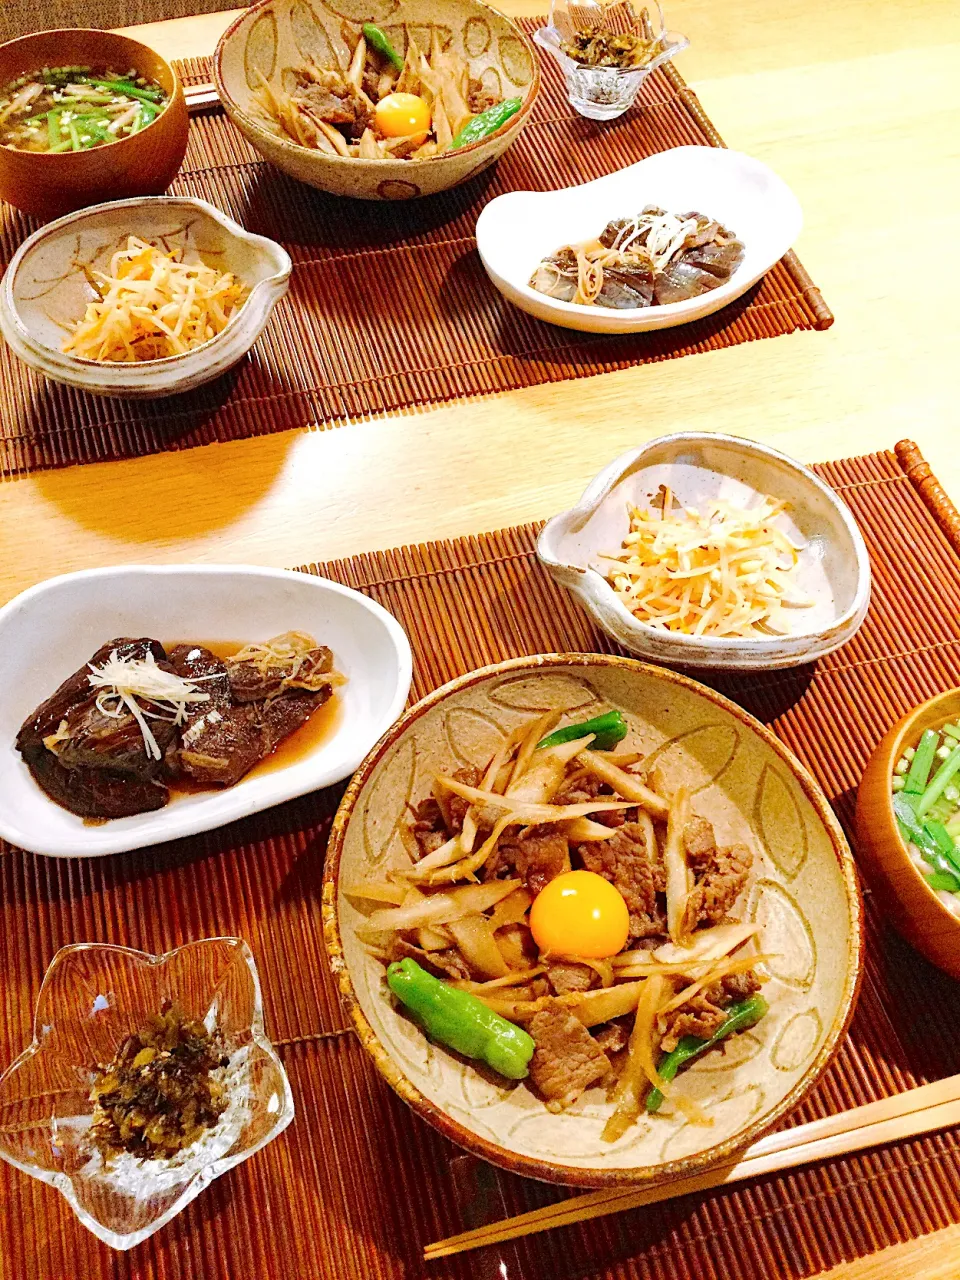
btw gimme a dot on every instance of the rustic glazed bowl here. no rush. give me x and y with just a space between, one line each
834 568
274 35
144 164
803 894
916 911
45 290
93 996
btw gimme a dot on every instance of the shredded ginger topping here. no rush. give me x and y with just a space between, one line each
126 684
666 235
291 649
152 305
723 571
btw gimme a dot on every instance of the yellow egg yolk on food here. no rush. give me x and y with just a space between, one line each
579 913
401 114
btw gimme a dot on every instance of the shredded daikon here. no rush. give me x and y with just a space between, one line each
721 571
152 305
127 683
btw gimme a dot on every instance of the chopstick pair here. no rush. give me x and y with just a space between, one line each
200 97
907 1115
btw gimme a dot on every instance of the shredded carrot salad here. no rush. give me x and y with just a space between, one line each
151 305
722 571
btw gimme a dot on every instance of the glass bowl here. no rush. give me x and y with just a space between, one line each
93 996
603 93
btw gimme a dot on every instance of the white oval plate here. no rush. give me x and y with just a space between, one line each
833 568
517 230
52 629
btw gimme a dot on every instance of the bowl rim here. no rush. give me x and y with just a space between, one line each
531 1166
233 109
606 480
65 359
72 157
890 748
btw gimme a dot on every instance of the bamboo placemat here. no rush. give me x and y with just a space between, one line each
389 308
357 1185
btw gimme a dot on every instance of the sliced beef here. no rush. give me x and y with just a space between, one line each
329 96
442 964
700 1017
566 1060
453 807
565 977
98 765
538 856
623 861
721 878
249 684
613 1037
734 988
428 827
479 98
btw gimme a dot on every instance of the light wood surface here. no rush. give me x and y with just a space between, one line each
856 103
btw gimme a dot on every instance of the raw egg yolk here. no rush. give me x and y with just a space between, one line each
400 114
579 913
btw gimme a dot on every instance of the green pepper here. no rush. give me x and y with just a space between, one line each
377 39
740 1017
460 1021
486 123
608 730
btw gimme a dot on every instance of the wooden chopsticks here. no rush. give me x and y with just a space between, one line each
907 1115
201 97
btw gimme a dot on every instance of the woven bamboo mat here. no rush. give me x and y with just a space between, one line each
357 1185
389 308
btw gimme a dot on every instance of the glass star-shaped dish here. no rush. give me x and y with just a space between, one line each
93 996
608 31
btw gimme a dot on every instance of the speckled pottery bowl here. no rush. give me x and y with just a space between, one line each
45 290
803 894
274 35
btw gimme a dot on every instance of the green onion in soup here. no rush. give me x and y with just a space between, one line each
926 801
59 109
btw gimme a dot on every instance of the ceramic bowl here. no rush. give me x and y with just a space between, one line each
45 289
803 894
517 230
922 916
51 630
834 568
274 35
95 995
144 164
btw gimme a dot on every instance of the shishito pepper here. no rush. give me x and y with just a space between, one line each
740 1017
378 40
607 730
486 123
460 1021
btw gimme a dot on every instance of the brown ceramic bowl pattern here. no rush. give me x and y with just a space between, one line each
275 35
913 907
144 164
803 894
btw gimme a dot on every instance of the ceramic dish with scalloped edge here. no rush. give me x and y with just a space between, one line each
45 290
517 230
833 569
802 895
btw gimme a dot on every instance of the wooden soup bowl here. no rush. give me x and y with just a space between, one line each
915 910
143 164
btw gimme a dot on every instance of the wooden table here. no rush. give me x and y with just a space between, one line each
857 104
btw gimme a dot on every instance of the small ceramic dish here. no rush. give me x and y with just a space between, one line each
274 35
834 568
144 164
51 630
93 997
518 230
928 920
803 894
45 290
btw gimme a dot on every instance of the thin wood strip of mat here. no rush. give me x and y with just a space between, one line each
389 308
358 1184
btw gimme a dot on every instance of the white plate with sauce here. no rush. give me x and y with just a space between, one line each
53 629
518 230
